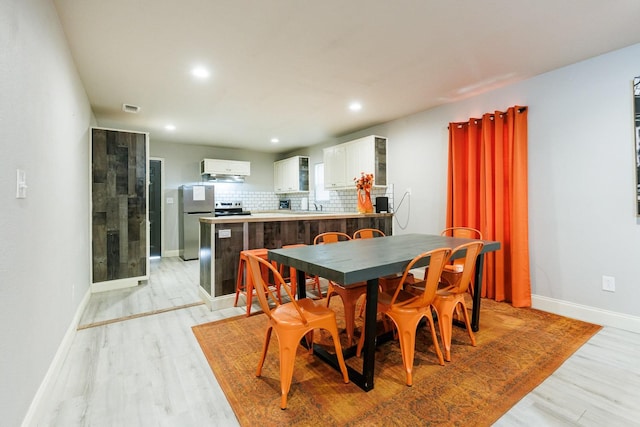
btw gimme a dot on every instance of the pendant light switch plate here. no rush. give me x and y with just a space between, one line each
21 184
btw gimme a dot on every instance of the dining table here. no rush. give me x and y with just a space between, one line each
354 261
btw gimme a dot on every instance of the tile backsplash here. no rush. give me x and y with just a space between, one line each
339 200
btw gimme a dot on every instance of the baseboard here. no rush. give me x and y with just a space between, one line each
112 285
216 303
586 313
171 253
56 364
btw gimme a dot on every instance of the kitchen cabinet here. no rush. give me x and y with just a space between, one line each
291 175
225 167
335 171
344 162
119 208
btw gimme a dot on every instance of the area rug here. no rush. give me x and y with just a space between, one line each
516 350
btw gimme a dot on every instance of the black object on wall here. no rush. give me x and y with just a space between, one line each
382 204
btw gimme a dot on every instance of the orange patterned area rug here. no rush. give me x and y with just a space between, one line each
516 350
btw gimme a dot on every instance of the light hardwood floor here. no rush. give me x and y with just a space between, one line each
150 371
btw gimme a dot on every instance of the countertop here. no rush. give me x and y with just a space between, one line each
286 215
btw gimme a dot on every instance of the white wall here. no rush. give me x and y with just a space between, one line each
44 262
581 181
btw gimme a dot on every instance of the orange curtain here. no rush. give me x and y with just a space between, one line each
487 190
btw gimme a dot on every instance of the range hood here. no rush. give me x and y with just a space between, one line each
218 170
223 178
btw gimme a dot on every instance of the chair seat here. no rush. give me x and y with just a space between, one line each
404 297
288 316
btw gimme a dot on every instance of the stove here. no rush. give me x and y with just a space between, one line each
229 209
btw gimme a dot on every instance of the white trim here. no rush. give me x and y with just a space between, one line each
216 303
171 253
112 285
56 364
586 313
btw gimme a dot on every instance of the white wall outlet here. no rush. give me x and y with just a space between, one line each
224 234
169 200
608 283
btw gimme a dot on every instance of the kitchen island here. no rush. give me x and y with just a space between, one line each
222 239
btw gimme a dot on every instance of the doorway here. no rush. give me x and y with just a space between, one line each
155 208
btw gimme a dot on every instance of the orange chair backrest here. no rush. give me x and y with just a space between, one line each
437 260
368 233
468 263
466 232
262 289
331 237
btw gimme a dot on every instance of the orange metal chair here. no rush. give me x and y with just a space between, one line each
409 303
367 233
291 321
293 277
244 281
349 294
448 300
388 282
452 272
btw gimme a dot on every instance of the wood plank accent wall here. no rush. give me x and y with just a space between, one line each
119 204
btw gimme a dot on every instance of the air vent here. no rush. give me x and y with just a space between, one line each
128 108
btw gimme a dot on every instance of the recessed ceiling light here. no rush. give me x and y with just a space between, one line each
170 127
355 106
200 72
274 140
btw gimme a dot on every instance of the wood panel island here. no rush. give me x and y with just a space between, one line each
222 239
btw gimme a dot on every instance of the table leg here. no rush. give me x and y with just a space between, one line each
301 284
363 380
477 290
370 329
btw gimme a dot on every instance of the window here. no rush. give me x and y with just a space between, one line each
320 192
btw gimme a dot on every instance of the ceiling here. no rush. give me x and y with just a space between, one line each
290 68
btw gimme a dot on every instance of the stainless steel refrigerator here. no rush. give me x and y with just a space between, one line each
194 201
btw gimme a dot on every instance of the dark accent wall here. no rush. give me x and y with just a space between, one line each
119 204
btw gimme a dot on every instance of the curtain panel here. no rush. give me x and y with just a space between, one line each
487 190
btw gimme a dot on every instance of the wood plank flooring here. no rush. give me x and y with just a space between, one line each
150 371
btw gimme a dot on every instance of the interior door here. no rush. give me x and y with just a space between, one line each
155 208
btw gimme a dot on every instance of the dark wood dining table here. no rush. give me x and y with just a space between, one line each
361 260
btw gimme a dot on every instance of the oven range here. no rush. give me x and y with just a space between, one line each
229 209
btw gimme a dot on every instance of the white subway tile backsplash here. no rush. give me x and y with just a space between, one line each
340 200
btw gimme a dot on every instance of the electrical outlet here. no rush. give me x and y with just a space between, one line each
608 283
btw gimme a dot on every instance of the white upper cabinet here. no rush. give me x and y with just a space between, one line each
291 175
225 167
335 172
344 162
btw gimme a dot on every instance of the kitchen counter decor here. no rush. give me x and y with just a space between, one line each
363 186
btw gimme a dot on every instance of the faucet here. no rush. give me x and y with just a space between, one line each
315 205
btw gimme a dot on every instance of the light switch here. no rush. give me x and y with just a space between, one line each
169 200
21 184
224 234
